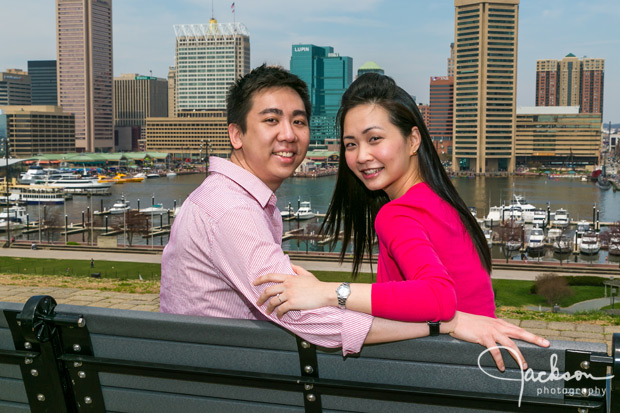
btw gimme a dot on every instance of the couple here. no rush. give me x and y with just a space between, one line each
224 256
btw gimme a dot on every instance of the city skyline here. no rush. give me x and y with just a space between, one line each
409 40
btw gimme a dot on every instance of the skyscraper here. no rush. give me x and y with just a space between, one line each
84 55
571 82
485 50
441 108
370 67
14 88
43 82
327 75
208 59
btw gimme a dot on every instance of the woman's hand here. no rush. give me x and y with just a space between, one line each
294 292
491 333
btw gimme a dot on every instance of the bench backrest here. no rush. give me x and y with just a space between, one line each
140 361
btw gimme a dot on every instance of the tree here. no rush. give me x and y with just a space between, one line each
132 222
552 287
53 222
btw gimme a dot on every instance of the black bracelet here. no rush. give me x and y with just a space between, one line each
433 327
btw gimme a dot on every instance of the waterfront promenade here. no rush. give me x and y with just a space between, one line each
582 331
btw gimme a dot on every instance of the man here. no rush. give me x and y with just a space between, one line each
229 231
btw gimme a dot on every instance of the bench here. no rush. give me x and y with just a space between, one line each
86 359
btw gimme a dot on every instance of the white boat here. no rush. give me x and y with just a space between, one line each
513 213
16 217
494 217
40 194
561 218
155 209
553 234
562 245
527 210
37 173
589 243
120 206
304 211
540 218
536 242
70 181
171 174
152 175
513 245
614 245
288 212
582 227
473 211
488 235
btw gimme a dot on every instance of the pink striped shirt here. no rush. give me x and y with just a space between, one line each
228 233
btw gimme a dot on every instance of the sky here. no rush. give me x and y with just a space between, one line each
409 39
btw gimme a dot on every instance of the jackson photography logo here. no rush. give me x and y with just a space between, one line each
553 375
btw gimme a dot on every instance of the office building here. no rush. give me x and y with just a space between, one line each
190 135
425 111
84 59
208 59
370 67
14 88
441 108
32 130
571 82
451 61
43 82
327 75
557 136
485 84
171 91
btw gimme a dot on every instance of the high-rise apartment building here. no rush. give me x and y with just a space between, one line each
43 82
84 59
327 75
571 82
451 61
208 59
14 88
485 84
441 108
139 97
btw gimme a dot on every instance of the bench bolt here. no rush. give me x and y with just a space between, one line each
582 410
77 364
28 361
585 364
40 397
308 369
311 397
584 392
88 400
27 345
81 374
34 372
77 347
308 386
305 344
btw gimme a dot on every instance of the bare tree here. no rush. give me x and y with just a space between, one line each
53 222
552 287
133 222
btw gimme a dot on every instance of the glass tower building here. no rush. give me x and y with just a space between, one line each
43 82
327 75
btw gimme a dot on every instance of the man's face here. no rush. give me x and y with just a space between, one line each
276 138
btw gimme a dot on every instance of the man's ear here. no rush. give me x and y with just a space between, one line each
234 133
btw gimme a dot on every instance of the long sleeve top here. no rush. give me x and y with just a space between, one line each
428 266
228 233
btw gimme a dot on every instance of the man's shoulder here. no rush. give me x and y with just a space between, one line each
218 194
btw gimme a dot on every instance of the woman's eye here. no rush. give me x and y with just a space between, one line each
374 138
349 145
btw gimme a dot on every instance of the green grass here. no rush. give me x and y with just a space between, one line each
80 268
516 293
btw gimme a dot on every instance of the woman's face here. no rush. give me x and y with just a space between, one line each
378 153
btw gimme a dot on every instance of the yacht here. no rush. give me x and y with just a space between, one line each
473 211
494 217
553 234
561 218
120 206
614 245
562 245
582 227
155 209
513 244
171 174
152 175
304 211
536 241
15 216
513 213
71 181
288 212
38 173
527 210
488 235
540 218
589 243
39 194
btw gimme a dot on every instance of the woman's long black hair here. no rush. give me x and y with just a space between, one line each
354 207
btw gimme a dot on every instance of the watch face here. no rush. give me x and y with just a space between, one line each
343 290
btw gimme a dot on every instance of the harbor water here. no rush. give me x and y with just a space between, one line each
580 198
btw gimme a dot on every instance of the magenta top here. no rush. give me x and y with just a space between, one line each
428 265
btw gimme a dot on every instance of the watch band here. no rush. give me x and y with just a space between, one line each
343 292
433 327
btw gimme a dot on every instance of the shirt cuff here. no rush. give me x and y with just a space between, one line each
355 328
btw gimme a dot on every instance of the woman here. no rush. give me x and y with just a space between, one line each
433 256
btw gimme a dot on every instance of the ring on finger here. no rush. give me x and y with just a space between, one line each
278 295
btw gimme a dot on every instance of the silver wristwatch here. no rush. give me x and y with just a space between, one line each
343 291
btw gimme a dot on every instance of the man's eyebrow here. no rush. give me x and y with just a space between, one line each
300 112
271 110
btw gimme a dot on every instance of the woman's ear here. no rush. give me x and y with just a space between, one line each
415 141
234 133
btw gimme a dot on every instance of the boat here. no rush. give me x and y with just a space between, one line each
154 209
513 213
614 245
304 211
152 175
288 212
561 219
582 227
513 245
171 174
527 210
119 207
40 194
473 211
536 242
553 234
540 218
15 217
589 243
494 217
488 235
603 182
562 245
71 181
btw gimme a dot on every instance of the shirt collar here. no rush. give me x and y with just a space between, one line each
244 178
